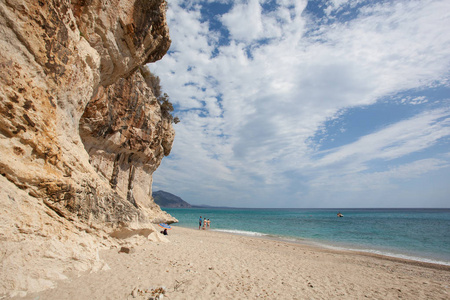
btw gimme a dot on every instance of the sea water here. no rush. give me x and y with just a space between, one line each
417 234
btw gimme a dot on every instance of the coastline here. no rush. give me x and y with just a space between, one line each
206 264
425 262
405 233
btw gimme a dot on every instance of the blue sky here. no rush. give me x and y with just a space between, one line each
308 103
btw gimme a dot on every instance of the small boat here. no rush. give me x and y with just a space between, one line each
340 215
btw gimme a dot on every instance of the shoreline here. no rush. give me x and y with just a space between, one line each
421 261
206 264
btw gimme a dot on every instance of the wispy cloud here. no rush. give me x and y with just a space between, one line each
252 93
397 140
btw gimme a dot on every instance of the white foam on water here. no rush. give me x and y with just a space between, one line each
390 254
323 245
241 232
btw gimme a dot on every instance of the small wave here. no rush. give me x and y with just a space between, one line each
390 254
241 232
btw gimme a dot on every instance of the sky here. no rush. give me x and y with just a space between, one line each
308 104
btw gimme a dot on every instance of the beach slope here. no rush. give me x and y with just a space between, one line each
198 264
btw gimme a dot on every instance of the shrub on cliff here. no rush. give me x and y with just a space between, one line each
155 85
166 106
152 81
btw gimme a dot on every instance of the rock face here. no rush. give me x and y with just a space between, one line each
80 133
126 138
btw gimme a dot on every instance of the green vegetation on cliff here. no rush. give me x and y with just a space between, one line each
165 199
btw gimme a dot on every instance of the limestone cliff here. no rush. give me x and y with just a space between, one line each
80 133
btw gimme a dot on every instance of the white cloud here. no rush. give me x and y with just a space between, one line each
262 102
244 21
397 140
348 168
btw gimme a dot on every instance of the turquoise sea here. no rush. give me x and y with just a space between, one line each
417 234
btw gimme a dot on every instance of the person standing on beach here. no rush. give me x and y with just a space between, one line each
209 223
200 223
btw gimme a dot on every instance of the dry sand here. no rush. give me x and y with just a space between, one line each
198 264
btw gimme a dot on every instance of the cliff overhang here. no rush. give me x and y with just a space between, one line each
81 133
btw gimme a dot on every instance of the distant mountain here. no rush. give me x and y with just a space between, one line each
165 199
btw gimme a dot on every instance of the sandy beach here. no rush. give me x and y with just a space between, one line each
198 264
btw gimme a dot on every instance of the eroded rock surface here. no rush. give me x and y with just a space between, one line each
126 137
80 133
